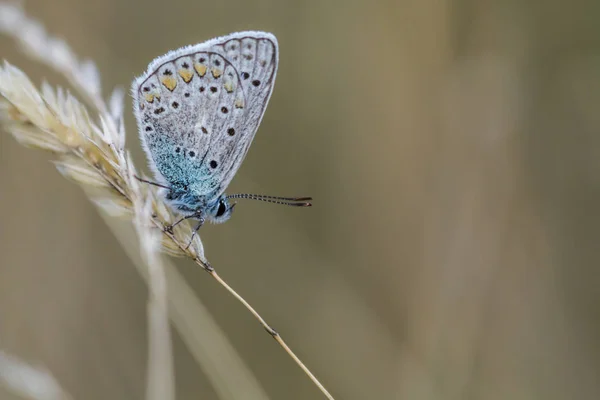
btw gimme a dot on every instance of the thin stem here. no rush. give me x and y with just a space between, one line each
160 380
268 328
274 334
208 268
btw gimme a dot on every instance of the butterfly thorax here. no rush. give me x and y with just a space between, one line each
184 200
215 209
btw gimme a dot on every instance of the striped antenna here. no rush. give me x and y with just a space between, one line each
286 201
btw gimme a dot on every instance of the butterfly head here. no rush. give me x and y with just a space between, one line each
220 210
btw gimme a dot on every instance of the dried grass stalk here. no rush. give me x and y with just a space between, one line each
27 381
161 380
91 150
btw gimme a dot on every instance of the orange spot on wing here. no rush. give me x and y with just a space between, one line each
216 72
186 75
169 82
200 69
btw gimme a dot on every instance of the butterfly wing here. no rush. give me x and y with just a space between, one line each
198 109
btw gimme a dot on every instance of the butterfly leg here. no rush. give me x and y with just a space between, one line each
169 228
197 215
200 223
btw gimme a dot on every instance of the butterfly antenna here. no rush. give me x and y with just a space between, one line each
286 201
151 183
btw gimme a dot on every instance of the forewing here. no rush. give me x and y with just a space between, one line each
198 108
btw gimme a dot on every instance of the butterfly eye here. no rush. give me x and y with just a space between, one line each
222 209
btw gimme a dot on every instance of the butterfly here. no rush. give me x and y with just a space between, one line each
198 109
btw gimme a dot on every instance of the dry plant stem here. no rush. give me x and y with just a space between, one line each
211 271
160 381
29 381
271 332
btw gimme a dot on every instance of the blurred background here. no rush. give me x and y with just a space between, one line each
453 152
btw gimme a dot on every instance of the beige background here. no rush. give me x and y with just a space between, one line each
452 148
